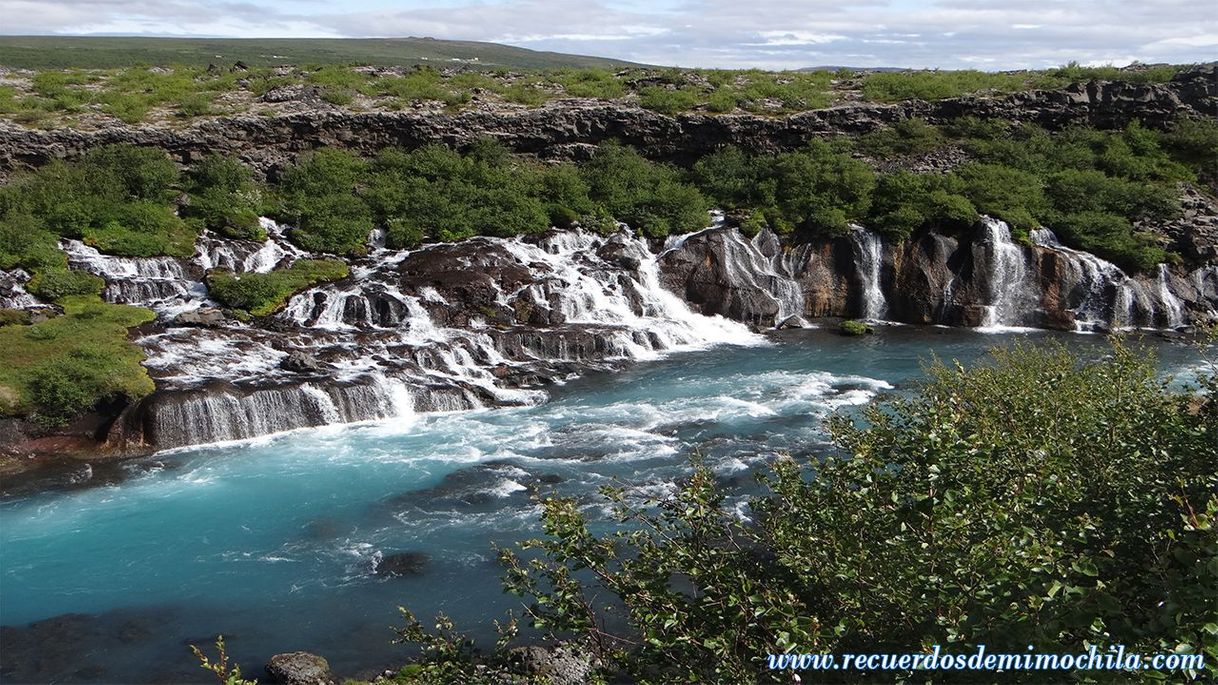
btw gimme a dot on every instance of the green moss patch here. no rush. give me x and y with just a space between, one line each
262 294
63 366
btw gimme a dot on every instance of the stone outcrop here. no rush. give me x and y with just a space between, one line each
299 668
569 128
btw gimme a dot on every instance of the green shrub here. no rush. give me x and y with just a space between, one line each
822 190
1009 194
734 179
904 202
261 294
854 328
195 105
25 244
319 198
1195 143
52 284
142 229
223 198
13 317
669 100
1112 238
906 137
649 197
936 85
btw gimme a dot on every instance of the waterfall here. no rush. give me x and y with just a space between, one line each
1010 293
747 264
1102 296
212 252
383 344
869 262
12 290
159 283
1172 308
221 413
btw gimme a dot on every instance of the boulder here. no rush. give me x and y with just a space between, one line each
300 362
203 318
401 564
299 668
561 664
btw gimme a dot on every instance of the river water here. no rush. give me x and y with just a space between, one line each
274 542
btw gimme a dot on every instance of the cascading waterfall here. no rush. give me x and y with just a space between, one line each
869 262
159 283
387 354
773 275
1010 294
1102 296
1173 309
218 414
12 290
247 255
502 317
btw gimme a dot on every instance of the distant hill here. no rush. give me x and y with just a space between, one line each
42 52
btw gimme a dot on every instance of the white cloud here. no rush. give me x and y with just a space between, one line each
996 34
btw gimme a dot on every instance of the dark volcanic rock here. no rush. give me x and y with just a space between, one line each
568 128
561 664
300 362
299 668
205 318
401 564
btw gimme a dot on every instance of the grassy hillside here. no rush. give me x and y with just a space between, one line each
59 52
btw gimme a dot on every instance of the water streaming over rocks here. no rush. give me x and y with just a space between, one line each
869 257
12 290
986 279
488 322
493 322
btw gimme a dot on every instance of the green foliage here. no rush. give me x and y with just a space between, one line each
142 229
649 197
904 202
906 137
1075 73
52 284
1195 143
116 198
13 317
854 328
223 198
56 368
318 197
821 190
1037 499
261 294
937 85
669 100
1088 185
437 193
817 188
220 667
1112 238
1004 192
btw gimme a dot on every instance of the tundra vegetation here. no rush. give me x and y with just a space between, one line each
135 93
1036 498
1094 188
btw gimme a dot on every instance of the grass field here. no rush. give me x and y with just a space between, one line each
61 52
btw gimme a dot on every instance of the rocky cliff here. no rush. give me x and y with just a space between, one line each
567 128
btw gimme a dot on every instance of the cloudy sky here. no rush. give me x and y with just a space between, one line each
984 34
